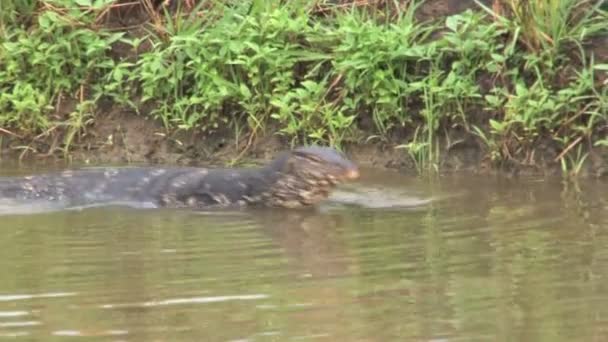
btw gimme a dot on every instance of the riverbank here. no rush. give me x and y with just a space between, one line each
430 87
124 138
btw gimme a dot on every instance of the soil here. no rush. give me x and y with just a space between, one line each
118 136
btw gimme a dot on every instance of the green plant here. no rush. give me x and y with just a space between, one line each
377 62
474 47
15 13
572 165
181 80
24 107
77 123
491 143
56 59
242 62
419 149
305 114
548 28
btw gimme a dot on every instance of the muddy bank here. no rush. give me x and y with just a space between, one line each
118 138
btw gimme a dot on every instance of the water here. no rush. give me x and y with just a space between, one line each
391 258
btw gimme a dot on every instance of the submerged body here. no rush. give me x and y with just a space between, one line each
297 178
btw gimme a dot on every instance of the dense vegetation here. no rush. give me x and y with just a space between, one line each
512 76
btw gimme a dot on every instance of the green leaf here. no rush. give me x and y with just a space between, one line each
452 22
497 126
47 19
520 89
603 67
493 100
498 58
44 21
244 90
86 3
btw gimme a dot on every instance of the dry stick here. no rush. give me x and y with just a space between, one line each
124 28
506 150
124 4
356 3
51 148
530 159
25 148
114 6
149 8
48 131
247 146
331 86
29 146
575 116
60 11
10 133
572 144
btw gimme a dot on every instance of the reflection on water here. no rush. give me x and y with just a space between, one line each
460 259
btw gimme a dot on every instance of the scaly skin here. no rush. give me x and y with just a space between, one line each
298 178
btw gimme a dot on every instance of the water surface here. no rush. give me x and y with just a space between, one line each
390 258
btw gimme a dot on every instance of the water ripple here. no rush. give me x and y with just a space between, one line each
6 298
193 300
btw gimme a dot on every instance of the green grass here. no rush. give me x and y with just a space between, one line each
50 64
513 76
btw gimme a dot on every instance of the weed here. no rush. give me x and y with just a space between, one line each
306 115
77 123
548 28
377 62
247 61
40 67
419 149
15 13
474 47
572 165
23 106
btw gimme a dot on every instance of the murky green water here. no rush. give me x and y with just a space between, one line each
463 259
